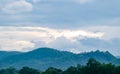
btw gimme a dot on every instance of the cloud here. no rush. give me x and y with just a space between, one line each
20 38
111 32
65 13
108 45
14 38
8 44
64 44
17 7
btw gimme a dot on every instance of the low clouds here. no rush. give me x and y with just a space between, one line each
19 38
17 7
101 44
108 45
8 44
79 40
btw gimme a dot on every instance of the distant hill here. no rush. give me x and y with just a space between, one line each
42 58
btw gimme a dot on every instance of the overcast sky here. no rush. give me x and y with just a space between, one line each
69 25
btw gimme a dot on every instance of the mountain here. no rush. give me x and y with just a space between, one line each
4 54
118 57
43 58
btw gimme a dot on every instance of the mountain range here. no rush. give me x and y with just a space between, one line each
42 58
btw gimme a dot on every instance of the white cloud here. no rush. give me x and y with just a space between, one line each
17 7
20 38
27 38
14 44
111 32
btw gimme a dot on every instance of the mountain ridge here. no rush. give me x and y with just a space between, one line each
42 58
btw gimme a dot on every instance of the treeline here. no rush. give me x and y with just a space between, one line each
92 67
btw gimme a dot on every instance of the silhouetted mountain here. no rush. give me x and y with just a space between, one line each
43 58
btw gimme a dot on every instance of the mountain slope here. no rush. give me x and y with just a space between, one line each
4 54
43 58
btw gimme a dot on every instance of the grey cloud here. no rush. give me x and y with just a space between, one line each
64 44
108 45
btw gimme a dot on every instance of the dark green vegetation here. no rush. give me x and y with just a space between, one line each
92 67
44 58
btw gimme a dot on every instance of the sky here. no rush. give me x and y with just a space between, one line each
68 25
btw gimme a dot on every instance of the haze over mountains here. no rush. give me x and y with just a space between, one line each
42 58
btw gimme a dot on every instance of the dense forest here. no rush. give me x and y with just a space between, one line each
91 67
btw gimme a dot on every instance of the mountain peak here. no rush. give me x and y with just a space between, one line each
44 50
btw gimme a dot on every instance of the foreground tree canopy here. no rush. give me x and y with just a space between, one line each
92 67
